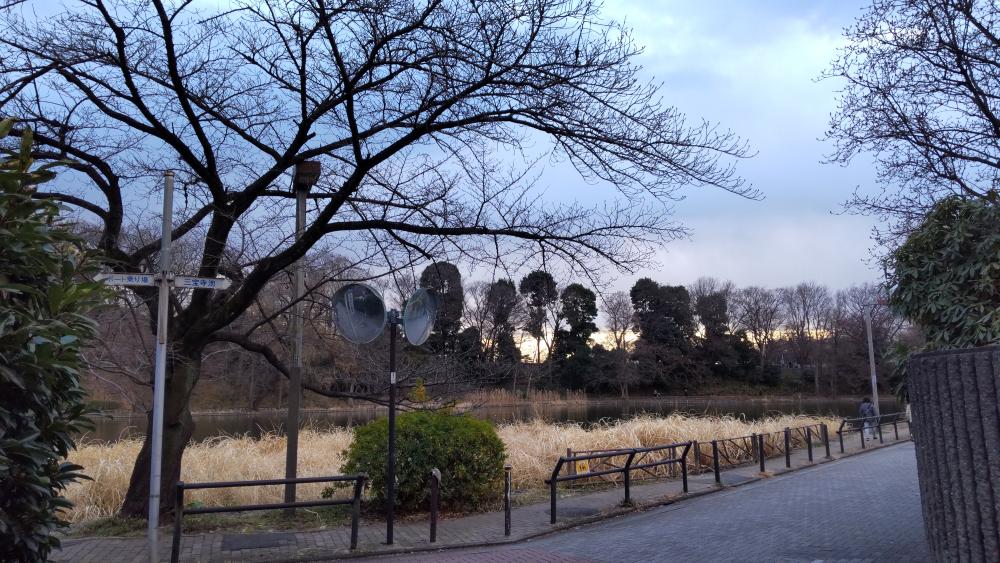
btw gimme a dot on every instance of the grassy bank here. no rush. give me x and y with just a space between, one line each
532 449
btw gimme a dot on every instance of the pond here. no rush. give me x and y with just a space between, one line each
588 412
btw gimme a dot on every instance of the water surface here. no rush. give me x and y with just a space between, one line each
589 412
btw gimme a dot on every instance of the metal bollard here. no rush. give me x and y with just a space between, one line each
840 436
627 476
788 449
825 432
715 462
760 451
175 549
862 434
435 500
895 429
506 500
809 442
684 473
880 441
359 487
552 500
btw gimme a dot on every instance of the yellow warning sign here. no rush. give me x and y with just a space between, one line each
583 466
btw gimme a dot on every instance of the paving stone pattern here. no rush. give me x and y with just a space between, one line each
863 508
573 510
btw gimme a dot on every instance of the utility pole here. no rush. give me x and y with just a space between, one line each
871 357
306 174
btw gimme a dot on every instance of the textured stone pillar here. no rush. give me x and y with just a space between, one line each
955 399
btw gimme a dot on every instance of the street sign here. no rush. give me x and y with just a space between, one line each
191 282
127 279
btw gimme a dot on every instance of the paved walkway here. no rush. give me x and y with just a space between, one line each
527 521
862 508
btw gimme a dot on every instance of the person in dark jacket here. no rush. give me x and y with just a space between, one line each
867 412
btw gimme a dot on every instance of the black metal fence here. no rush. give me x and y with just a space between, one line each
646 458
354 501
875 423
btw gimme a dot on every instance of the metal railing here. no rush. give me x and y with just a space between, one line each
858 424
755 448
354 501
646 462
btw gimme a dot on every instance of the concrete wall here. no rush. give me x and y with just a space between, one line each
955 398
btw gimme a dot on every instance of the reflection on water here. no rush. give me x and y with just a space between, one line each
256 424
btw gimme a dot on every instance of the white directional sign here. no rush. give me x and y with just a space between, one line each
191 282
127 279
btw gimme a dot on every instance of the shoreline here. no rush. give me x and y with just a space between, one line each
597 400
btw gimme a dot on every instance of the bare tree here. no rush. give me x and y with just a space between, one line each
805 305
758 311
619 314
403 102
921 78
855 302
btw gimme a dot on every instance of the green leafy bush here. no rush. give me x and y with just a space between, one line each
468 452
947 275
42 326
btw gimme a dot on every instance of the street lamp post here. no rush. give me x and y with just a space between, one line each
871 358
305 176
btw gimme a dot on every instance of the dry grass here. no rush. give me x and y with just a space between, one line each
532 449
220 459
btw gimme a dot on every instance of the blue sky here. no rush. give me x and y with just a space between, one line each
752 66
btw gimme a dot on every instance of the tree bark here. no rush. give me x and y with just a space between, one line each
178 425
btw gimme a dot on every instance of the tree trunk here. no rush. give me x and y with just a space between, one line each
182 374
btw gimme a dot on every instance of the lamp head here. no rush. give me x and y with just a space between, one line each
306 175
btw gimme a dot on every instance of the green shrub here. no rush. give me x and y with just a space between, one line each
947 275
42 325
466 450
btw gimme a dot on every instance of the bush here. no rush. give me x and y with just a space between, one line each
947 275
42 325
466 450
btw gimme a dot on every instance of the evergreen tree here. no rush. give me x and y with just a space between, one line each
540 292
445 280
43 302
578 309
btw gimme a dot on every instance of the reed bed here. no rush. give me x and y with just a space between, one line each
532 450
533 447
226 458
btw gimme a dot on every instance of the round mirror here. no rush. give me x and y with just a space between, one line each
418 316
358 312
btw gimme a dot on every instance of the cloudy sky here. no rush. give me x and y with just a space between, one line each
752 66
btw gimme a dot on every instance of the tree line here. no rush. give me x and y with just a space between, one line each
535 332
662 337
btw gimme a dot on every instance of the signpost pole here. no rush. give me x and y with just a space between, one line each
159 373
390 473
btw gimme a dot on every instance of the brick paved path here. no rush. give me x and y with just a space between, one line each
862 508
528 521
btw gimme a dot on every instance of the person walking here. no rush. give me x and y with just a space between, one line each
867 412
